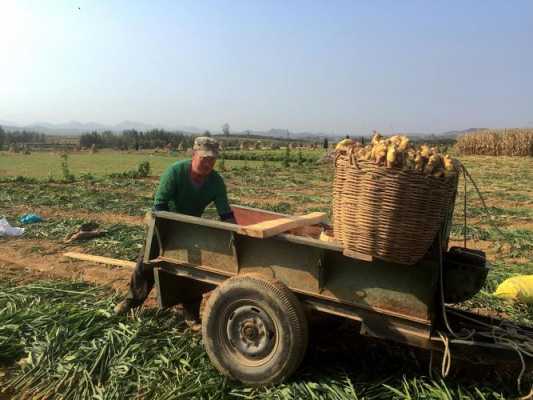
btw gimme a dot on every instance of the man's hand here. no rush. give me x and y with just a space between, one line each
161 207
228 217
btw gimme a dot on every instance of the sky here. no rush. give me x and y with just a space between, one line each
318 66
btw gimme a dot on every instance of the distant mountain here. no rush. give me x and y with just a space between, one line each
138 126
77 128
6 123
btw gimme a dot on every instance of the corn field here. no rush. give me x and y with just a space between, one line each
497 142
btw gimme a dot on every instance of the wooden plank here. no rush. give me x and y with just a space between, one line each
196 220
357 255
101 260
273 227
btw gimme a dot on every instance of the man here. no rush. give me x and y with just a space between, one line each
186 187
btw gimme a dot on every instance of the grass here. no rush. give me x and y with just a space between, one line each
294 155
124 196
44 164
67 344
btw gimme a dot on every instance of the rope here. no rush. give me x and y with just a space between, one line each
468 334
509 336
515 331
485 208
528 396
446 357
464 211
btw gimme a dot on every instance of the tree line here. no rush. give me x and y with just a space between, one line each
20 137
133 139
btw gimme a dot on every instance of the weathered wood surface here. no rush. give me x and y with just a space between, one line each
276 226
99 259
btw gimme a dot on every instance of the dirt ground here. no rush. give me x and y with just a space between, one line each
24 260
44 258
102 217
28 259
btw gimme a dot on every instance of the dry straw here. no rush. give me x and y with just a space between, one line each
497 142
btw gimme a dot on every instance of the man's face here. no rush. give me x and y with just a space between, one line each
202 165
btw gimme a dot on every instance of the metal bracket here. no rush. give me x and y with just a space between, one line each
159 241
232 244
322 278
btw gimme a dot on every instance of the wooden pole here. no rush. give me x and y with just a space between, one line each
101 260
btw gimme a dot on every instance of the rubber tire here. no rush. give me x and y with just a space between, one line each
281 305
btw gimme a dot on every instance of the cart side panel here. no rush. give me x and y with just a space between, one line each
197 245
404 290
296 265
399 289
304 265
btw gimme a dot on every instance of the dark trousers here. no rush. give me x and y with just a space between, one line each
141 282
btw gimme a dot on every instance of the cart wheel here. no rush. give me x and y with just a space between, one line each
254 329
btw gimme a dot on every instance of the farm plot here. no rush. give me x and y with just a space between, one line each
69 344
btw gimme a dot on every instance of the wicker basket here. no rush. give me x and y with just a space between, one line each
386 213
341 164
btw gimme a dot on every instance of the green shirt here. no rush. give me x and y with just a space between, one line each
182 196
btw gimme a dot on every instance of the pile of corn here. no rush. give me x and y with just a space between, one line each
497 142
398 152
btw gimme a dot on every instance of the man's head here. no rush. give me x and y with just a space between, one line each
205 153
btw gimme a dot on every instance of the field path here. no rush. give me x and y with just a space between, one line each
28 260
105 217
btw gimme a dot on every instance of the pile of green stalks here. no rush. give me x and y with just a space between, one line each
131 197
119 240
60 340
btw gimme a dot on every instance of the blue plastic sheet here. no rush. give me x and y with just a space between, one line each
30 219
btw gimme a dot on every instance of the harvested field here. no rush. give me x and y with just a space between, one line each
58 338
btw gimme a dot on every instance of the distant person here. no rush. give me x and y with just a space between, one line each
186 187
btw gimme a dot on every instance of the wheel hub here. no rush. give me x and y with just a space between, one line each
251 332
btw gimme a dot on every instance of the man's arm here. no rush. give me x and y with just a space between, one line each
166 190
222 204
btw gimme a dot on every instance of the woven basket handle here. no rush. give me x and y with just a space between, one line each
337 156
353 158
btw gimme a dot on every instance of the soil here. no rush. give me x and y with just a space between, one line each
102 217
24 260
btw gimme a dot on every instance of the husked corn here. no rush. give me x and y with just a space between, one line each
398 152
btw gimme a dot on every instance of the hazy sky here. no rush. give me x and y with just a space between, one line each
331 66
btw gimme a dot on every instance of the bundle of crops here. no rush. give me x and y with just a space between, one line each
497 142
398 152
390 198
